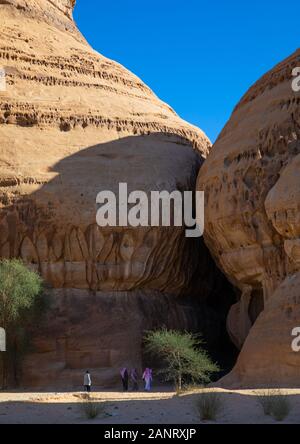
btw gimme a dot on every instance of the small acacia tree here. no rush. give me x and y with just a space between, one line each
19 291
182 356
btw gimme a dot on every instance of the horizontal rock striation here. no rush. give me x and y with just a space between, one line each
56 80
54 12
74 123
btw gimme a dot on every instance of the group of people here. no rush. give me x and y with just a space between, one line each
134 379
126 377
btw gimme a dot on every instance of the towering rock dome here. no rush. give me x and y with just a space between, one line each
253 227
74 123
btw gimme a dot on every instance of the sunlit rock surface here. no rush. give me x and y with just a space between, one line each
74 123
251 181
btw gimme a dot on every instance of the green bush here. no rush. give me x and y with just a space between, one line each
209 405
182 357
20 289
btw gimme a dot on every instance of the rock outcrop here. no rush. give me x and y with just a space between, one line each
268 358
74 123
252 224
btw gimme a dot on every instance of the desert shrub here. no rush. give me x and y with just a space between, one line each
209 405
275 404
92 409
281 408
266 400
183 359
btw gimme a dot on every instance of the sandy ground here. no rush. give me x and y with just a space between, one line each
163 407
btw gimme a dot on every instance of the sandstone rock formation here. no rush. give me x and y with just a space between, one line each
73 123
267 358
252 224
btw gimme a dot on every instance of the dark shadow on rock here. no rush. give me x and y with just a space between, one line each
108 285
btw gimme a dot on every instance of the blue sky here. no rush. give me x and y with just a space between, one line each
198 56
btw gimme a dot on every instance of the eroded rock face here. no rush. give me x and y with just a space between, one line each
72 124
54 227
58 12
252 216
103 331
268 358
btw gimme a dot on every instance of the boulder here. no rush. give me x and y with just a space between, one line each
251 183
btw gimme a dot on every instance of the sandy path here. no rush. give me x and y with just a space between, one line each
135 408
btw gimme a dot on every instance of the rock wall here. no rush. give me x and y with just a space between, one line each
54 226
252 223
268 358
103 332
54 12
74 123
